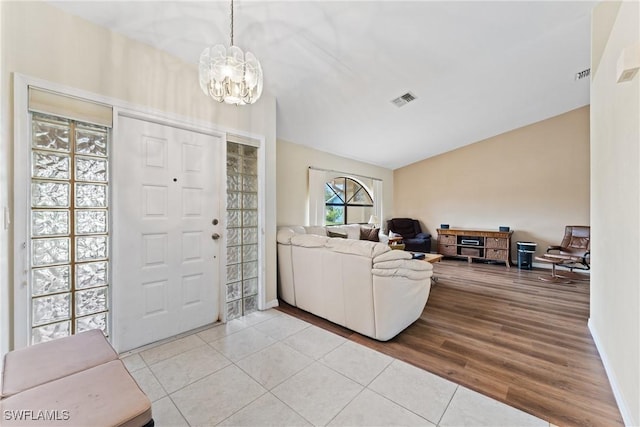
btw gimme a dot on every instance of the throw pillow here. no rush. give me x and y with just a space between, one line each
336 234
370 234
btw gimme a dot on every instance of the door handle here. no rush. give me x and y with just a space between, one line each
215 236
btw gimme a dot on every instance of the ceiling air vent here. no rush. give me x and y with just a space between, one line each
403 99
583 74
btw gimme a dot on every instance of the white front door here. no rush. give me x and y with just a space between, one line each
165 262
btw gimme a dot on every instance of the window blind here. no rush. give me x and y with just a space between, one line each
53 103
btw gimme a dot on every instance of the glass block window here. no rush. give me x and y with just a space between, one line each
69 218
242 230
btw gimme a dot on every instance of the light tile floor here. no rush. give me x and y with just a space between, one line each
271 369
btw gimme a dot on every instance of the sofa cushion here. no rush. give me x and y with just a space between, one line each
341 235
309 240
357 247
316 229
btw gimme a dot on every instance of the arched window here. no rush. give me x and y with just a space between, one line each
347 202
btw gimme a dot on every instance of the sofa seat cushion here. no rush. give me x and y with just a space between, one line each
105 395
41 363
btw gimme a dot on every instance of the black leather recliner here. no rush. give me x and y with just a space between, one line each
412 236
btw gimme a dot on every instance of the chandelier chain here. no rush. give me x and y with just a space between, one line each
231 22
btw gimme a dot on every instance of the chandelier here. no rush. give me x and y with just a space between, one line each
229 75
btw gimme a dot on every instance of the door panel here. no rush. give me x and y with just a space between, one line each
166 273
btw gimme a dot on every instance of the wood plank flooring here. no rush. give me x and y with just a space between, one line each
509 336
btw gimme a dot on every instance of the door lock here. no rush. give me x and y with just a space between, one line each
215 221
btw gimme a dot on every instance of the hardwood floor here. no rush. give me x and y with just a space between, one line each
509 336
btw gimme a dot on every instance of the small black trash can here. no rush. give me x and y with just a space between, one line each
525 254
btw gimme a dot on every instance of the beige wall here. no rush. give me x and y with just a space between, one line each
293 161
615 206
534 179
39 40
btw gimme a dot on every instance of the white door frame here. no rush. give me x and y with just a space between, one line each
22 132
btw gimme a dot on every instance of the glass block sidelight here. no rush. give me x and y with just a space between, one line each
250 253
91 274
249 201
50 280
69 231
234 291
91 196
91 169
50 332
51 133
233 182
91 222
250 304
234 237
233 200
249 269
234 272
234 309
45 194
242 230
50 165
49 223
50 308
249 152
96 321
249 218
90 248
250 287
91 301
91 140
50 251
234 254
233 218
250 183
249 235
249 166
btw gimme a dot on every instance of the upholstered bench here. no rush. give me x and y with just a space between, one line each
72 381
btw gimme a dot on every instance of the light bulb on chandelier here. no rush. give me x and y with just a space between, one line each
230 76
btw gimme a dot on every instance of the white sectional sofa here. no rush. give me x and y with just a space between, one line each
362 285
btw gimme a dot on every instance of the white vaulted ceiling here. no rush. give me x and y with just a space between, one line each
477 68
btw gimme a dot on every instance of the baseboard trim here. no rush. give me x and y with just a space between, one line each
627 417
271 304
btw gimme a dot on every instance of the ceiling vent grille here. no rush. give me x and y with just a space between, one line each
404 99
583 74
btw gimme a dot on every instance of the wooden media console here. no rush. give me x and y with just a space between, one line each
486 245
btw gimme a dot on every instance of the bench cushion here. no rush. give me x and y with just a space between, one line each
32 366
105 395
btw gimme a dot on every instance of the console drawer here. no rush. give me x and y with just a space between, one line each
499 254
447 239
494 242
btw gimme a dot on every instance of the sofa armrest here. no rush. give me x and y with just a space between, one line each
383 238
423 236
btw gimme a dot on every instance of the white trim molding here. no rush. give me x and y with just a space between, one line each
627 416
